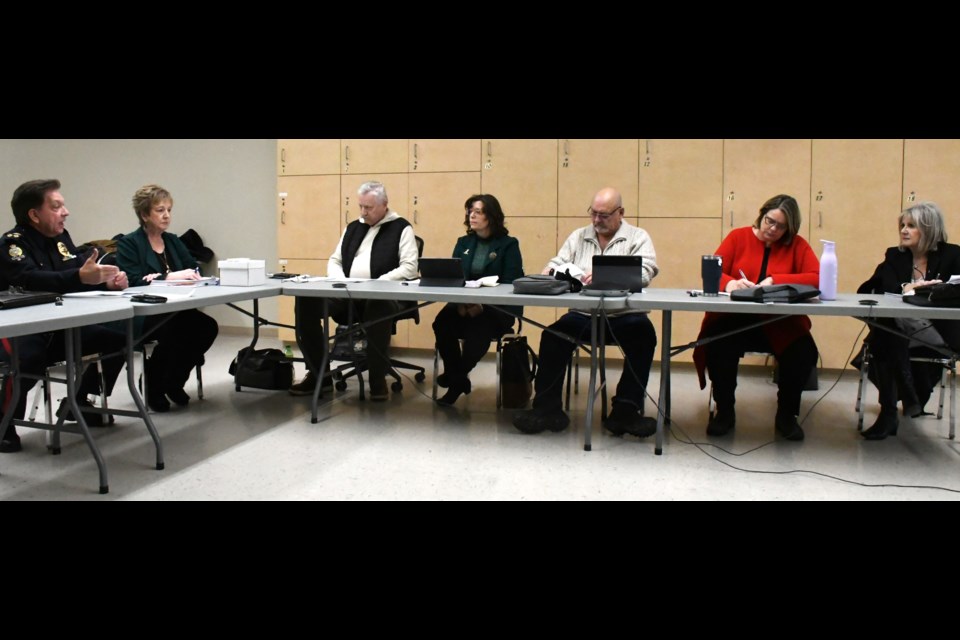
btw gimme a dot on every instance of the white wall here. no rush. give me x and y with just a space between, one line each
222 188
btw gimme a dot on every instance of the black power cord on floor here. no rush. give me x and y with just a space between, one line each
700 446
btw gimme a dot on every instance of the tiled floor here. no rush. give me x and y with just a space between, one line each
260 445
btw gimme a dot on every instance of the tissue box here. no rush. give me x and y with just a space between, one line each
242 272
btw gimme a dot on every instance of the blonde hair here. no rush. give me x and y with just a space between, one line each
147 196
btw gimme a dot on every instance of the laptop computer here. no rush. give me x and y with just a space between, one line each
441 272
615 276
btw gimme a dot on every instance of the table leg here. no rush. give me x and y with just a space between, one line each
588 423
138 399
664 401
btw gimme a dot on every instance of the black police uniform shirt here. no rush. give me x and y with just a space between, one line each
34 262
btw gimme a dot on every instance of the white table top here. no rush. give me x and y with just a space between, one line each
75 312
846 304
501 295
201 297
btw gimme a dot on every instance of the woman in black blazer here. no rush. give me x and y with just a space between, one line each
151 253
922 258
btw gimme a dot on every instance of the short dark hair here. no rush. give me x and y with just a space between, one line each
790 208
31 195
491 208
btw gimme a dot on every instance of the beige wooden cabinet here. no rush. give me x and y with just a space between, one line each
586 166
680 179
308 157
373 156
931 171
308 220
431 155
855 201
756 170
522 174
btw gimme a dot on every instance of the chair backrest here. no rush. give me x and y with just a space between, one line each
413 310
108 258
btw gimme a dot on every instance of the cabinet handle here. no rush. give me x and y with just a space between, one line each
283 217
566 147
647 141
283 155
731 218
489 149
415 155
820 216
415 221
346 153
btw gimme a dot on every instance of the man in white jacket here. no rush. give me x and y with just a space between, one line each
610 235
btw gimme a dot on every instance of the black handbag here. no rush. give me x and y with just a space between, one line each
518 368
15 300
937 295
263 369
776 293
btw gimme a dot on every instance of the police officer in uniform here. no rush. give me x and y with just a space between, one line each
38 255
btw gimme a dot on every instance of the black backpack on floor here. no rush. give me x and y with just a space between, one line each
518 368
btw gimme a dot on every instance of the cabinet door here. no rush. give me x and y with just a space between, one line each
756 170
522 175
297 157
435 208
679 244
681 179
855 201
373 156
396 186
931 171
444 155
308 220
586 166
310 267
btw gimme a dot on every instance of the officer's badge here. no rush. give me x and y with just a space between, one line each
65 252
16 253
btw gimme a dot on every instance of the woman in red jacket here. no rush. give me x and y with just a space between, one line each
769 252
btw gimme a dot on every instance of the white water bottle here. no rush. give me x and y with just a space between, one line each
828 271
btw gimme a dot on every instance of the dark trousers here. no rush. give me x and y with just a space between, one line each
309 314
633 332
723 360
895 376
477 334
182 339
40 350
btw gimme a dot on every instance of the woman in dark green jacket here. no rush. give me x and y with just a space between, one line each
486 250
148 254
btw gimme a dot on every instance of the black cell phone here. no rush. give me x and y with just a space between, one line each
339 285
147 298
283 276
868 302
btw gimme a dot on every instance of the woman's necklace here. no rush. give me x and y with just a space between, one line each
921 274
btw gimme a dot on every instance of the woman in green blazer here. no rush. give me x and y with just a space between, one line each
486 250
148 254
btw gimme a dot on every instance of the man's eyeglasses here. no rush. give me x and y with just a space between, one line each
773 224
602 216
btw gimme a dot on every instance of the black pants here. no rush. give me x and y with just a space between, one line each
40 350
309 313
723 359
477 334
182 339
636 336
892 372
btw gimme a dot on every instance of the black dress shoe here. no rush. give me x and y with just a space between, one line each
179 397
721 423
625 418
92 419
885 425
10 443
456 388
539 420
788 427
157 401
